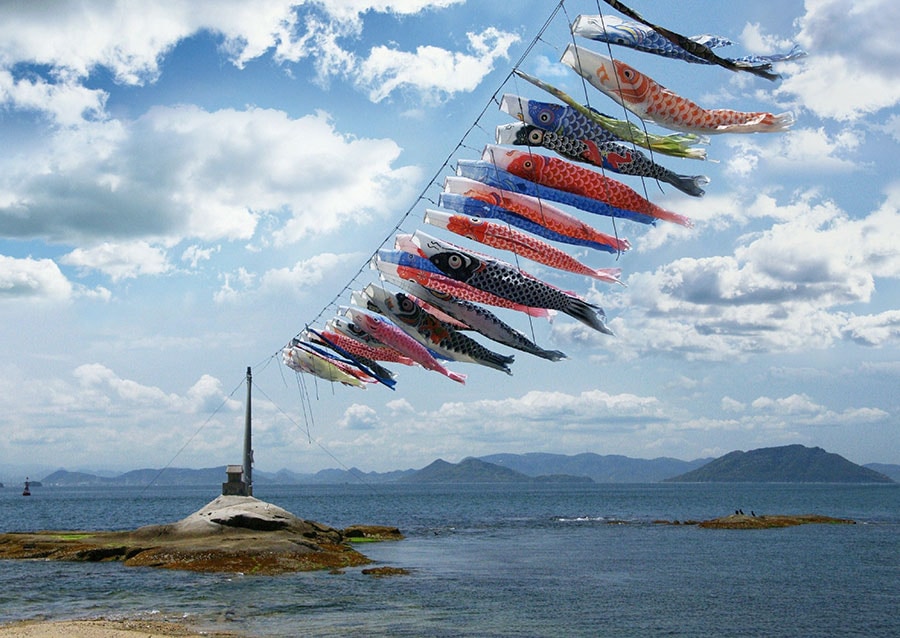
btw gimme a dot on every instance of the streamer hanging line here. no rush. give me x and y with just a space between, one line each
545 179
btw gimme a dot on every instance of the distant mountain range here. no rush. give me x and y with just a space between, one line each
792 463
611 468
472 470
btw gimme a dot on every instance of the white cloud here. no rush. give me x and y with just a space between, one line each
67 103
120 261
74 38
132 45
110 387
290 282
854 64
234 285
592 406
892 127
182 172
758 42
799 409
432 69
874 330
95 413
194 254
803 150
32 279
783 289
358 417
308 272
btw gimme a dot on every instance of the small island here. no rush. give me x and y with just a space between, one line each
739 520
230 534
768 521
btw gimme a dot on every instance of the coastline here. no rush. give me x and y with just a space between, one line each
103 628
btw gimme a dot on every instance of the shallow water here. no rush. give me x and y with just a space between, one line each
501 560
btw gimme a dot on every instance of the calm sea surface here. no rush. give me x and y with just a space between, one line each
500 560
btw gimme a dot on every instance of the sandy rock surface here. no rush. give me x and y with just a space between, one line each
103 629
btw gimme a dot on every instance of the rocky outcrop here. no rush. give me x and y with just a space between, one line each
230 534
743 521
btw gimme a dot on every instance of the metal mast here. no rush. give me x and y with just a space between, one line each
248 446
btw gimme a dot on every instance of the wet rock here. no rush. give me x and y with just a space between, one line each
381 572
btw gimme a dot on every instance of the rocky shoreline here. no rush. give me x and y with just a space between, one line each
230 534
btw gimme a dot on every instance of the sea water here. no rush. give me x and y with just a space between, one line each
500 560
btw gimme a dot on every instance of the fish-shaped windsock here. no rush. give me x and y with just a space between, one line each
675 144
505 238
505 280
563 175
563 226
651 101
479 319
351 338
437 336
409 265
696 48
492 175
639 36
609 155
474 207
386 332
301 359
368 366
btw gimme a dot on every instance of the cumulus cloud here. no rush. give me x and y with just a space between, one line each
291 281
183 172
120 261
104 388
592 406
95 413
804 150
800 409
194 254
358 417
431 69
873 330
132 44
308 272
32 279
782 289
856 64
67 103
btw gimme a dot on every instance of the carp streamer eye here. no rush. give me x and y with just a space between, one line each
535 137
545 117
406 305
455 261
528 164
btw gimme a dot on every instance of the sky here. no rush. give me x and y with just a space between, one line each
185 186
